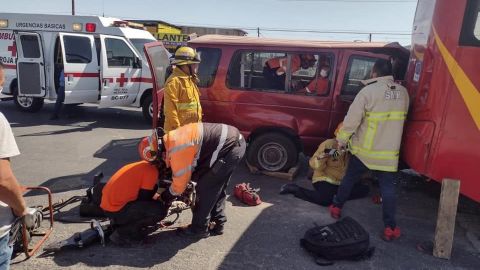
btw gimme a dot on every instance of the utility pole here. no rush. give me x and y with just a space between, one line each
258 31
73 7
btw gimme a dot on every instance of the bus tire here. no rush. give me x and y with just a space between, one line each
272 152
28 104
147 108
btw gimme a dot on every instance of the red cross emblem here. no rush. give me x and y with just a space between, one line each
122 79
13 49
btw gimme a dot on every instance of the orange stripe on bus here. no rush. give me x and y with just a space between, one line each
468 91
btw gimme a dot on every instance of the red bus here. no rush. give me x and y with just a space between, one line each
442 136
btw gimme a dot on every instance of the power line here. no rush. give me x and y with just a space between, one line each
353 1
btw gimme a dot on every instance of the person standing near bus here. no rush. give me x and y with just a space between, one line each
372 130
181 96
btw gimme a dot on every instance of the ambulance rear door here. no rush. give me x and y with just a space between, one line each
30 64
121 71
81 68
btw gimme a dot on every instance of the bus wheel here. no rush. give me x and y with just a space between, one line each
272 152
147 109
28 104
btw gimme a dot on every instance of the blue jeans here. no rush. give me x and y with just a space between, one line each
5 253
387 189
59 101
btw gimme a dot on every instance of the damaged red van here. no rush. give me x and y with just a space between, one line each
285 96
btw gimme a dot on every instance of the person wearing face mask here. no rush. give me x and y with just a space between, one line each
320 85
275 69
181 103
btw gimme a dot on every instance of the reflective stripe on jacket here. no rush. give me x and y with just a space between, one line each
328 169
194 149
373 126
181 101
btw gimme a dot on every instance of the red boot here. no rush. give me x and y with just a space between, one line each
335 212
390 235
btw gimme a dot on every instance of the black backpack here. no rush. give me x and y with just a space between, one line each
345 239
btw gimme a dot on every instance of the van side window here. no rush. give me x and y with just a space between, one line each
30 46
359 68
312 77
77 49
470 33
118 53
246 71
207 69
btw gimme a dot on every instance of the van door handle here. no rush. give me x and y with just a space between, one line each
105 82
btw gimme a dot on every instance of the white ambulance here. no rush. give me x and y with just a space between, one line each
102 59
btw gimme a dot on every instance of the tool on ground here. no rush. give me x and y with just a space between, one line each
246 194
100 231
28 227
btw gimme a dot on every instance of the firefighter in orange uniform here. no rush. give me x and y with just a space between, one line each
128 200
182 97
207 154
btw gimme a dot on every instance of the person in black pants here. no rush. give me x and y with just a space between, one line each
329 167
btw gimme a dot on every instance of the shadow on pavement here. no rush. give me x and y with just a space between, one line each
160 247
76 120
116 153
271 241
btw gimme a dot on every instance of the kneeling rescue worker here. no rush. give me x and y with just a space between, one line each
128 200
207 154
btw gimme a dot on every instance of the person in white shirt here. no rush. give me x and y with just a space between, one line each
11 200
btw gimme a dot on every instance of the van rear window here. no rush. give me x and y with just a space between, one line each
30 46
207 69
77 49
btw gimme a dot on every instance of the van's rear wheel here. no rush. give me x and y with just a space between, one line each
272 152
28 104
147 109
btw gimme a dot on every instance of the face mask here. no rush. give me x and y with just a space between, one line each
324 73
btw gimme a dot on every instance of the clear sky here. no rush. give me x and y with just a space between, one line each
376 16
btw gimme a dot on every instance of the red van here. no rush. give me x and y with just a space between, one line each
285 96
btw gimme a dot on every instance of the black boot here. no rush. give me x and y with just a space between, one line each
288 188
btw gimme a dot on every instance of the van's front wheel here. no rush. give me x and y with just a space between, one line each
28 104
272 152
147 109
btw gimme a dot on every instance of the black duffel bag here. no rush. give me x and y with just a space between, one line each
345 239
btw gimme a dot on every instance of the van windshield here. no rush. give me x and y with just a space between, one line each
138 43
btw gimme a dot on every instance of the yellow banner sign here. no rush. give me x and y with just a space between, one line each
172 40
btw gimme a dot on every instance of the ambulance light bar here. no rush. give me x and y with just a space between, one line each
3 23
128 24
77 27
90 27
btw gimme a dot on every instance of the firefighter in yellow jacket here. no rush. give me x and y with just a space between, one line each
182 97
372 132
207 154
329 167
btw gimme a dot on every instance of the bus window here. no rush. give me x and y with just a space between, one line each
470 33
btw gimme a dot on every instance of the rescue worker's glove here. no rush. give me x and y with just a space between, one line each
167 198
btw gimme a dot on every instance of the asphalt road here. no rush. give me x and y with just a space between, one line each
64 155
